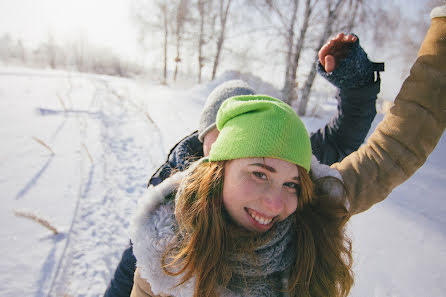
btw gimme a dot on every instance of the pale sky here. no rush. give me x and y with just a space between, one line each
104 22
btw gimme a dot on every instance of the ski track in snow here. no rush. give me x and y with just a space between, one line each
124 134
107 195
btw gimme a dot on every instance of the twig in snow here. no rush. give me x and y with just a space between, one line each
149 117
35 218
88 153
151 120
115 93
38 140
62 102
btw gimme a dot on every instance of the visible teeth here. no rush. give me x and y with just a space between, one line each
260 220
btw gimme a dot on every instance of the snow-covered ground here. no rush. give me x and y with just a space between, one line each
78 149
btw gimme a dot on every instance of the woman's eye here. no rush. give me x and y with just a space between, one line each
291 185
259 175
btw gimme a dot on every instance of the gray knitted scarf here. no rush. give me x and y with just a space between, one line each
262 272
259 263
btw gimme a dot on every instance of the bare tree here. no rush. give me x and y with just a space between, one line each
163 8
21 53
333 8
5 47
287 16
352 13
11 50
79 53
181 19
291 25
51 51
403 41
150 16
206 21
223 9
201 10
289 90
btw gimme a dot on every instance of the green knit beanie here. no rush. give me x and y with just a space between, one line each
260 126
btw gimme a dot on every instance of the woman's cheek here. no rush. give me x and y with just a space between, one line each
252 187
292 204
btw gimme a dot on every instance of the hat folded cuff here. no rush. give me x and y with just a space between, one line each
206 131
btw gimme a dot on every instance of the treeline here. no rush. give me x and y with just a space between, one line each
255 33
199 38
76 56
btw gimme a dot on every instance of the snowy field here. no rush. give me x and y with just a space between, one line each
78 150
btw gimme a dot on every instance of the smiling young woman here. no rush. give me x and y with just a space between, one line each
223 201
245 219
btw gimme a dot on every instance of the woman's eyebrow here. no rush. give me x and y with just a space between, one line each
271 169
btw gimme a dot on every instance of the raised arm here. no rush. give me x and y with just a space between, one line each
410 130
343 62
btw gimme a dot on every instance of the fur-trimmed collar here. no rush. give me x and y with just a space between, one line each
152 229
439 12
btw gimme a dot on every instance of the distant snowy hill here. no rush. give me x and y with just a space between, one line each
78 150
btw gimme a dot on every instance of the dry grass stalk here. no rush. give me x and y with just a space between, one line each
62 102
35 218
151 120
40 141
88 153
115 93
149 117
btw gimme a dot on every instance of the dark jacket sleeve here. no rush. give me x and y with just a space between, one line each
348 128
357 87
122 282
187 150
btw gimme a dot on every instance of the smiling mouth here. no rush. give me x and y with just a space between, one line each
258 218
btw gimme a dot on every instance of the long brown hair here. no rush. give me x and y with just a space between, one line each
323 262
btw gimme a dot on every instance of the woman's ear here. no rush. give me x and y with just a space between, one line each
209 140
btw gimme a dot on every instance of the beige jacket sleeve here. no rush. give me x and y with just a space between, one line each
141 287
410 130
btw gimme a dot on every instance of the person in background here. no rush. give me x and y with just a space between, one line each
343 63
260 217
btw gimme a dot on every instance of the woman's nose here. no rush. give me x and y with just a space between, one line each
274 201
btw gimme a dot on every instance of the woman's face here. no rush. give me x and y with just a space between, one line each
258 192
